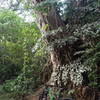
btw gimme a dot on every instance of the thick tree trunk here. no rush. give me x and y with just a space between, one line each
53 22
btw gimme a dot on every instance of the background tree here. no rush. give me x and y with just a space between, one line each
21 61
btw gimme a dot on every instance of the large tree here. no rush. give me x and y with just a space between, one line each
54 32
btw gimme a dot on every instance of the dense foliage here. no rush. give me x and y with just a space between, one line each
90 34
19 65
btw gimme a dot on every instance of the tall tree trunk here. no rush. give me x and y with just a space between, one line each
53 21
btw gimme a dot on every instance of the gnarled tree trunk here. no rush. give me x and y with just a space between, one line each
53 22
